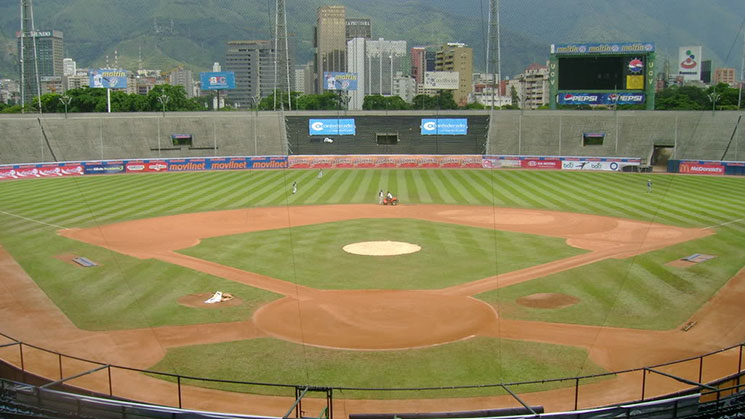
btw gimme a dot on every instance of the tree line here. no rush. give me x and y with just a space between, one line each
167 98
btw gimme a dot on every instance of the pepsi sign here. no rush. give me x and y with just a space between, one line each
217 80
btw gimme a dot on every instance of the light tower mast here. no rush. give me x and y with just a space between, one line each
28 54
281 54
493 53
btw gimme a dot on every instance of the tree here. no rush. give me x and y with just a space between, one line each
326 101
379 102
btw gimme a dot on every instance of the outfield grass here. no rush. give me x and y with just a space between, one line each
451 254
479 361
141 293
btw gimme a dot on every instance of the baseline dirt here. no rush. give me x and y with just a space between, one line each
34 318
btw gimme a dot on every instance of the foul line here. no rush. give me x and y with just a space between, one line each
728 222
32 220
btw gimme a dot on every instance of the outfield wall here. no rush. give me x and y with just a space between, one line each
684 135
80 137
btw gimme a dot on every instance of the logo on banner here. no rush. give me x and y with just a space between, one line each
636 66
690 60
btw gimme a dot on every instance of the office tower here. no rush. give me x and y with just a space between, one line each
253 65
330 42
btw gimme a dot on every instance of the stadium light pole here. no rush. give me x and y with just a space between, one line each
163 99
713 97
65 101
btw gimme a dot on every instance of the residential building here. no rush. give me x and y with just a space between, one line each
534 88
77 81
304 78
418 63
404 87
9 91
485 93
253 65
725 75
358 28
457 57
182 77
69 67
330 43
47 59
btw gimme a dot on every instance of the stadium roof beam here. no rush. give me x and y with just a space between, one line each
683 380
53 383
516 397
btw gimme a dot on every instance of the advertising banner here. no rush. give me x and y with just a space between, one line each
339 81
612 166
60 171
331 127
444 80
186 165
689 62
146 166
702 168
442 126
540 164
500 162
580 98
217 80
108 78
386 161
103 168
604 48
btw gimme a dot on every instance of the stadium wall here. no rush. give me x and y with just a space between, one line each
83 137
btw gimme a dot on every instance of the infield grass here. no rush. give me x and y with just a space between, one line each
451 254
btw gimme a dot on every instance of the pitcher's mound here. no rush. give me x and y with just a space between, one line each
547 300
381 248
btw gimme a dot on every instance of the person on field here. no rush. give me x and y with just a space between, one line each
380 197
320 173
294 188
649 185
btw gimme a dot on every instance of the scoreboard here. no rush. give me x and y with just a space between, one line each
602 74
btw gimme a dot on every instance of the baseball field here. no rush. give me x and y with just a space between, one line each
512 276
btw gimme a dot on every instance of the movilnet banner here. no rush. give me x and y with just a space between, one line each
444 126
333 80
217 80
607 48
331 127
702 168
108 78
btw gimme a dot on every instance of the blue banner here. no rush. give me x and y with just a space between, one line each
107 78
102 168
331 127
449 126
581 98
339 81
217 80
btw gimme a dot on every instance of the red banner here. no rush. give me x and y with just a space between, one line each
386 161
540 164
702 168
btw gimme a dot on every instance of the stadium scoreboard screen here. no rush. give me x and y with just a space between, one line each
602 74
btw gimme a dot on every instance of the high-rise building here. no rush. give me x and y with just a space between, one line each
356 64
383 59
457 57
48 58
725 75
330 42
253 65
534 88
183 78
358 28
